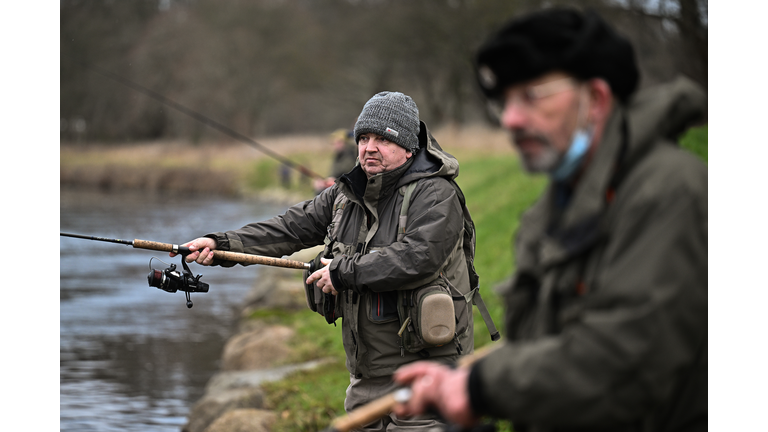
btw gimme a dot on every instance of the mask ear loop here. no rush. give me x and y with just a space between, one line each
583 115
580 142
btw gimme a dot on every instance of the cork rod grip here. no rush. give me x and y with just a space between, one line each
365 414
256 259
153 245
224 255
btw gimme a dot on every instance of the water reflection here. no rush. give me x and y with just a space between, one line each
133 357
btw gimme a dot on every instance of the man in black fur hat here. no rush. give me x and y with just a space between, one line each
606 321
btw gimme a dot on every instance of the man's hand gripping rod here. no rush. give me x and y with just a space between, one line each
382 406
221 255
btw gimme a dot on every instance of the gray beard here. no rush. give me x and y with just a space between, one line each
544 163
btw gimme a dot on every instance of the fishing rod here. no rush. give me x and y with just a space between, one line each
171 280
204 119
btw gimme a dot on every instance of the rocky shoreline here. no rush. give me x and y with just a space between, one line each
257 353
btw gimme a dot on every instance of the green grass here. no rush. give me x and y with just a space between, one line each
497 191
308 400
696 140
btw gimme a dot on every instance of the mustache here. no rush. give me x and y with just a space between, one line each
525 135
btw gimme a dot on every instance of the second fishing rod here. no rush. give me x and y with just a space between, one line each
205 120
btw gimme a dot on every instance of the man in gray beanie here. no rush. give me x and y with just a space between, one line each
394 231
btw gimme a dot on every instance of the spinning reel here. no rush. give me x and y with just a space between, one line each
171 280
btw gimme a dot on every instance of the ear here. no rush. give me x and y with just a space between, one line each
600 101
408 154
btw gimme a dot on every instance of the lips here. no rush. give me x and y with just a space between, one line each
528 142
528 145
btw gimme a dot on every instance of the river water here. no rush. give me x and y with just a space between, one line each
134 357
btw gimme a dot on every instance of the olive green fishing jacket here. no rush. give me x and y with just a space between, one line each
606 322
369 263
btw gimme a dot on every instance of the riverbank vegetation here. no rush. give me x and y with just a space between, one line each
496 188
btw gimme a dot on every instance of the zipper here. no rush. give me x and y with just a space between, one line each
400 334
459 348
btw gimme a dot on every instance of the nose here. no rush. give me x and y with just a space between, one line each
514 115
370 146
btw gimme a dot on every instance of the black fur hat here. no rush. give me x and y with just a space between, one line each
581 44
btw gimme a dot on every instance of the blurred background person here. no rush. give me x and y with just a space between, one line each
344 157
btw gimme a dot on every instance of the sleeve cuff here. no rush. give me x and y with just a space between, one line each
333 269
222 242
476 397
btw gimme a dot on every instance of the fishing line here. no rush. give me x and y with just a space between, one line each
204 119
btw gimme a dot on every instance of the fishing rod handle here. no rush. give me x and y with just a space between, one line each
256 259
163 247
371 411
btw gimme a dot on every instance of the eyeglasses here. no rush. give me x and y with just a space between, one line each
529 96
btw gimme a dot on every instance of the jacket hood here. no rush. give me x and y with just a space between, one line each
431 160
667 111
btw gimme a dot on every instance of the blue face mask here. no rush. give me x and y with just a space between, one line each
579 146
575 154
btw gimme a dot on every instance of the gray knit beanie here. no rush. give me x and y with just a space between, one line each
392 115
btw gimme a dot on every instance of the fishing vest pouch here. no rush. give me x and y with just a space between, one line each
431 315
318 301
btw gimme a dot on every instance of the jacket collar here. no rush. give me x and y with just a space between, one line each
374 188
431 160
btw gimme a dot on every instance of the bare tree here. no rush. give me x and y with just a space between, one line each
268 66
